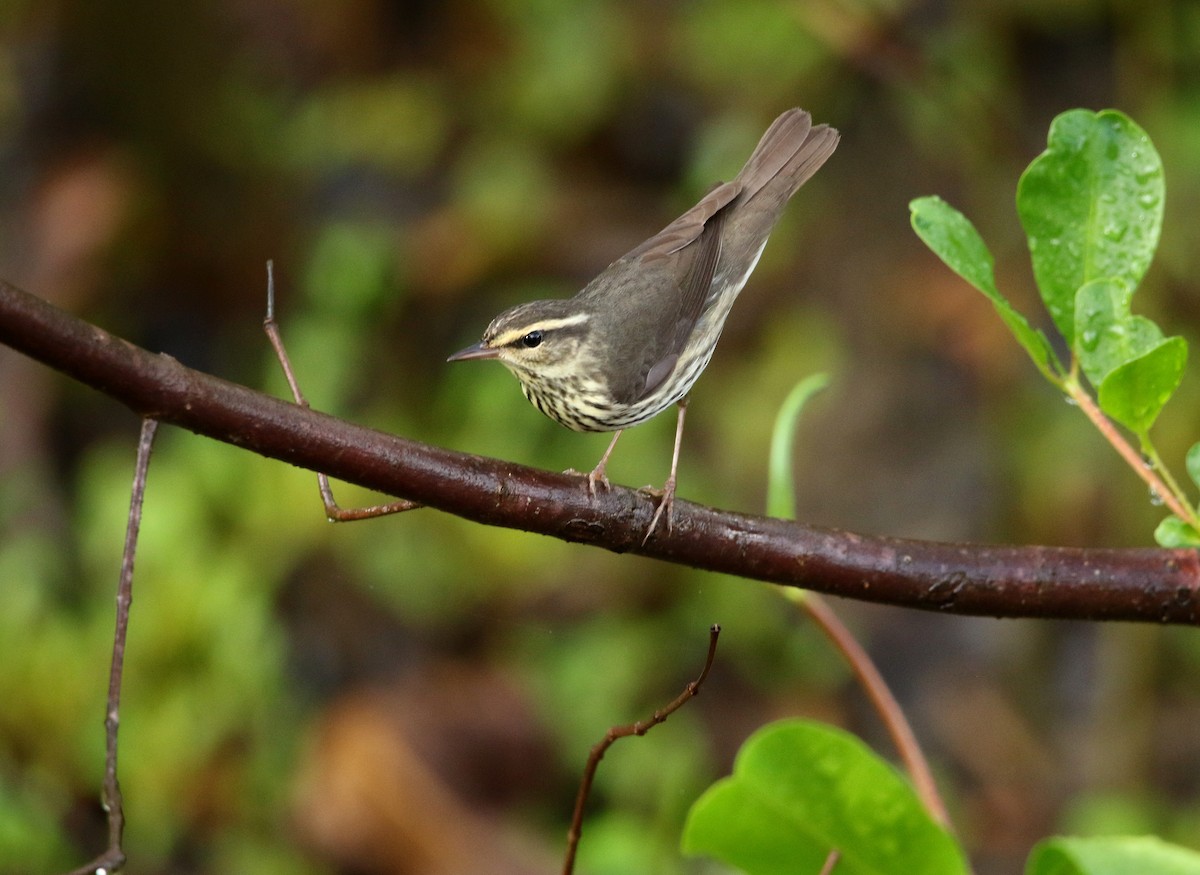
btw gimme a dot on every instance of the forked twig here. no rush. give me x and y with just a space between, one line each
639 728
333 511
113 858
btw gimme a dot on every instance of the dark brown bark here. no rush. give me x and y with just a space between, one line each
1004 581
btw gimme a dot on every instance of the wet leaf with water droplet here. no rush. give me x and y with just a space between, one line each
1134 393
1095 198
955 241
1124 356
1106 334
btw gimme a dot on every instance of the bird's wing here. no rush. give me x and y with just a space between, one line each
695 291
685 254
656 293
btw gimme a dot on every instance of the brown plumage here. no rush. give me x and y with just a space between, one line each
635 339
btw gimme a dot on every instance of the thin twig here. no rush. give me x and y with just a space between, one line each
113 857
639 728
1077 394
831 862
333 511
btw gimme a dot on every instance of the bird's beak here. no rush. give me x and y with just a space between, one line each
475 351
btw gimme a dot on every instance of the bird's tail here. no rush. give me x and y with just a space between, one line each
788 154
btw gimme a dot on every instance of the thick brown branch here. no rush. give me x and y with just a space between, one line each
1130 584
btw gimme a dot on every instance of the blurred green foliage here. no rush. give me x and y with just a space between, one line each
413 168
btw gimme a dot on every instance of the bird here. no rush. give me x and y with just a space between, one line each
634 340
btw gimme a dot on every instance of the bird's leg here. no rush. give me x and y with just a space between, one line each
596 477
666 504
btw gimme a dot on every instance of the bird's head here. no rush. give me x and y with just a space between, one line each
541 338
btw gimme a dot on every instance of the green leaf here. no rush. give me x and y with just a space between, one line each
1106 335
1174 532
781 498
1193 463
1091 206
1119 855
1134 393
800 789
1125 357
955 241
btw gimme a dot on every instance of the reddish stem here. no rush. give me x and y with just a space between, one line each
884 702
1127 452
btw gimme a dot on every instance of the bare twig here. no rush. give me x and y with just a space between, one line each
113 857
831 862
639 728
333 511
1147 585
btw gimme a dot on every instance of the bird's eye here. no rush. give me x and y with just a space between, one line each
532 339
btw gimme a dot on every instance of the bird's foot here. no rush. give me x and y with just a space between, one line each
595 479
666 507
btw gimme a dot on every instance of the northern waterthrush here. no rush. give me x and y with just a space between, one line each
635 339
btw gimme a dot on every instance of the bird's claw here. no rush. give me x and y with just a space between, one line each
595 479
666 506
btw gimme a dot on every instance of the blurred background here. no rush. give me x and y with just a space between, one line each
418 694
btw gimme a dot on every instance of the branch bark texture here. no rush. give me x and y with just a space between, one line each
1149 584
